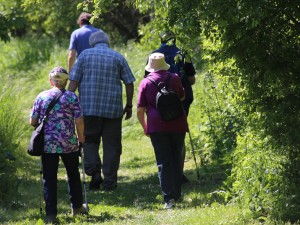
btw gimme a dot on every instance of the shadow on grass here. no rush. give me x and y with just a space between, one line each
145 192
140 193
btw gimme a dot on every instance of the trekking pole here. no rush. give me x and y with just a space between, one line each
83 177
193 152
42 186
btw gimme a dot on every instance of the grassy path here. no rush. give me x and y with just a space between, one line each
137 200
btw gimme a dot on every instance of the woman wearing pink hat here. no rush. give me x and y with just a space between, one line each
167 137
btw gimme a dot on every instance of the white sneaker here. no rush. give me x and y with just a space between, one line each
170 204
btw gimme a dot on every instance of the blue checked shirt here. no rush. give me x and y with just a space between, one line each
99 72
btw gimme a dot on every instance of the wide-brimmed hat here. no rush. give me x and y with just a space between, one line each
58 73
157 62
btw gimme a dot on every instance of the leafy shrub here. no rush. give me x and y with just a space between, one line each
214 117
260 182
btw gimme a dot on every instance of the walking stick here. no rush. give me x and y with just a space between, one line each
193 152
42 186
83 178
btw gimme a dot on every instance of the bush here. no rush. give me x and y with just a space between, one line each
259 178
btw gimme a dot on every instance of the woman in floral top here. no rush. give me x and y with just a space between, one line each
61 140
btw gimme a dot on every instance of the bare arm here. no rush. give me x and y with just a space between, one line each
141 117
129 95
80 129
72 85
71 59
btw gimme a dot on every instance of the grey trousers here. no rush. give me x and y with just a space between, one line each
109 131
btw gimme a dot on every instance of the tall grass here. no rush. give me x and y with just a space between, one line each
20 66
11 129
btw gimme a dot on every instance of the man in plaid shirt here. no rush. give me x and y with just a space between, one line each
98 74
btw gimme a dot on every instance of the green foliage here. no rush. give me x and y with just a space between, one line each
14 57
118 18
137 172
264 51
245 116
22 79
4 33
12 21
212 122
259 178
215 119
262 40
58 18
10 132
20 56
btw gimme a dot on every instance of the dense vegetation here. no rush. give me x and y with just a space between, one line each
137 200
245 126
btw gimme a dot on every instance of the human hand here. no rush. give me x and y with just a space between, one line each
81 139
128 111
145 130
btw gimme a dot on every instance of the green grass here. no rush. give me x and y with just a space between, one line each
137 200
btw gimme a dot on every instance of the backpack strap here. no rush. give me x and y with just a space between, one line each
155 83
52 103
167 80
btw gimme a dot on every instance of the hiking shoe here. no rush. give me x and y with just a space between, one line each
184 179
170 204
51 219
95 181
83 210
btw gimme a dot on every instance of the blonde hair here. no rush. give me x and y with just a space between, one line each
59 83
59 77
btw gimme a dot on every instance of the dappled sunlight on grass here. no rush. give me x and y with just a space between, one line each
137 198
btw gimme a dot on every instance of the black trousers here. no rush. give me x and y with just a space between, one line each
167 147
50 167
109 131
